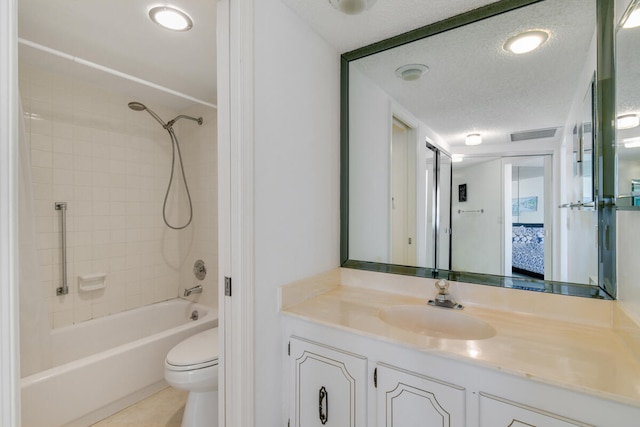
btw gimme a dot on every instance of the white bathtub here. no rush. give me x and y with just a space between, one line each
104 365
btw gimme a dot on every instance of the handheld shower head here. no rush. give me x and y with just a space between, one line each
137 106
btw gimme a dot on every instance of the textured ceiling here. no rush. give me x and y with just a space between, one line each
118 34
384 19
473 85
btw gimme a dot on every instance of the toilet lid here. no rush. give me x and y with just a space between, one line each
198 350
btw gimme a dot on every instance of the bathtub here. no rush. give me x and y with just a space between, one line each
104 365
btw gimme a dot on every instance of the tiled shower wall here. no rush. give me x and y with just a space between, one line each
200 240
111 165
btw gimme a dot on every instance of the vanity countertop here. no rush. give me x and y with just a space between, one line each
594 359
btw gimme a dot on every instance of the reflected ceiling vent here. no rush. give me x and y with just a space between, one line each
533 134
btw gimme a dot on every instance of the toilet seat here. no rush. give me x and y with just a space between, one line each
196 352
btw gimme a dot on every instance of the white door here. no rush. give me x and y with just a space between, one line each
403 195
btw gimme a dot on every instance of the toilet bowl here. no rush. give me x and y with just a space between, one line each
192 365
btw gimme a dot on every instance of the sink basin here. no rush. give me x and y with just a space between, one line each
436 322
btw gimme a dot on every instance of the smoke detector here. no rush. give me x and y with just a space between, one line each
411 72
352 7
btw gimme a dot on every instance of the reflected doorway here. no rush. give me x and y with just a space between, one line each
528 216
403 194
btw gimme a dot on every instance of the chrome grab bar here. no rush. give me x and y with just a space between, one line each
62 207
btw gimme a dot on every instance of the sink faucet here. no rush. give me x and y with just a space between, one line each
443 298
194 290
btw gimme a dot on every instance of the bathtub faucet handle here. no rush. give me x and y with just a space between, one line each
194 290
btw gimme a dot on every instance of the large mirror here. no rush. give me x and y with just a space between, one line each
471 154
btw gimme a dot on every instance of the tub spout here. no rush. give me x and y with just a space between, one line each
194 290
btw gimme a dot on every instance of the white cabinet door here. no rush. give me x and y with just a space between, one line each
407 399
329 386
498 412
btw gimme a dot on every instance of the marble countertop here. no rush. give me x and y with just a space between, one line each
594 359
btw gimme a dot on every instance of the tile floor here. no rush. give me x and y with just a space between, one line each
163 409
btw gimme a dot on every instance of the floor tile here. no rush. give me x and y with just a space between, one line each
163 409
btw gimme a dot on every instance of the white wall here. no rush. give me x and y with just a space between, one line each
628 268
296 179
577 227
370 116
112 166
369 168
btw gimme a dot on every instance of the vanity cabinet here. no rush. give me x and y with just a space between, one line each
329 386
408 399
498 412
340 378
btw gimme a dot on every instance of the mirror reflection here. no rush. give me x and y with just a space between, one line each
472 149
628 106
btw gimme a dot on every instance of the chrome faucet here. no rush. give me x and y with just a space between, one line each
443 298
194 290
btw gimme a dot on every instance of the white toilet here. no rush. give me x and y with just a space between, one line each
192 365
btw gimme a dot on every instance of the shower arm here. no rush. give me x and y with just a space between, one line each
182 116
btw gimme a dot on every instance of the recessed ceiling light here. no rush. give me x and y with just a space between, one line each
352 7
633 20
526 42
631 142
170 18
411 72
473 139
457 158
627 121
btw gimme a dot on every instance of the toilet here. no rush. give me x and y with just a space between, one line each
192 365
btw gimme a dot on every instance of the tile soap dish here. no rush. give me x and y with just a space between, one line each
92 282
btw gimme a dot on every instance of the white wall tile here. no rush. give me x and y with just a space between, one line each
62 145
42 159
41 143
112 166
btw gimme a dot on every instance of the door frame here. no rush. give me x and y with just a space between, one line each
236 212
9 303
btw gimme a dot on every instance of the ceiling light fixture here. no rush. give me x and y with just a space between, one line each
170 18
633 20
627 121
631 142
526 41
473 139
411 72
457 158
352 7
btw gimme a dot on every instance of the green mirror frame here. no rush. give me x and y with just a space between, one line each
604 156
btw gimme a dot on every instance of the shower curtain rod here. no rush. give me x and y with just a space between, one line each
112 72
